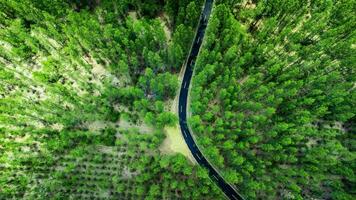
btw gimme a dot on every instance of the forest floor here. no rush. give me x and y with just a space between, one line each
142 127
164 19
133 15
122 125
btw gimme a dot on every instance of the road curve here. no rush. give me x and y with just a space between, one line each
182 106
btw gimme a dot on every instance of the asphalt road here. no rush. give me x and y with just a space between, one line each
182 106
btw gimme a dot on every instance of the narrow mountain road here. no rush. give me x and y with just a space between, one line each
182 106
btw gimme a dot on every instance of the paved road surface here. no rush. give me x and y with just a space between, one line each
182 106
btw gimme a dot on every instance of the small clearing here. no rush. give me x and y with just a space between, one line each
96 126
243 80
57 126
249 5
133 15
174 143
121 125
143 128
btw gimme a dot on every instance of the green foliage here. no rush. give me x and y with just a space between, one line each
272 97
77 80
168 169
160 86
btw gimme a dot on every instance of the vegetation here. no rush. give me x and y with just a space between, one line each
85 88
77 80
273 97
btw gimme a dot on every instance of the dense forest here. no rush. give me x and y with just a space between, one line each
86 88
273 97
84 92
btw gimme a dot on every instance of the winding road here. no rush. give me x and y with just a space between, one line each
229 191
